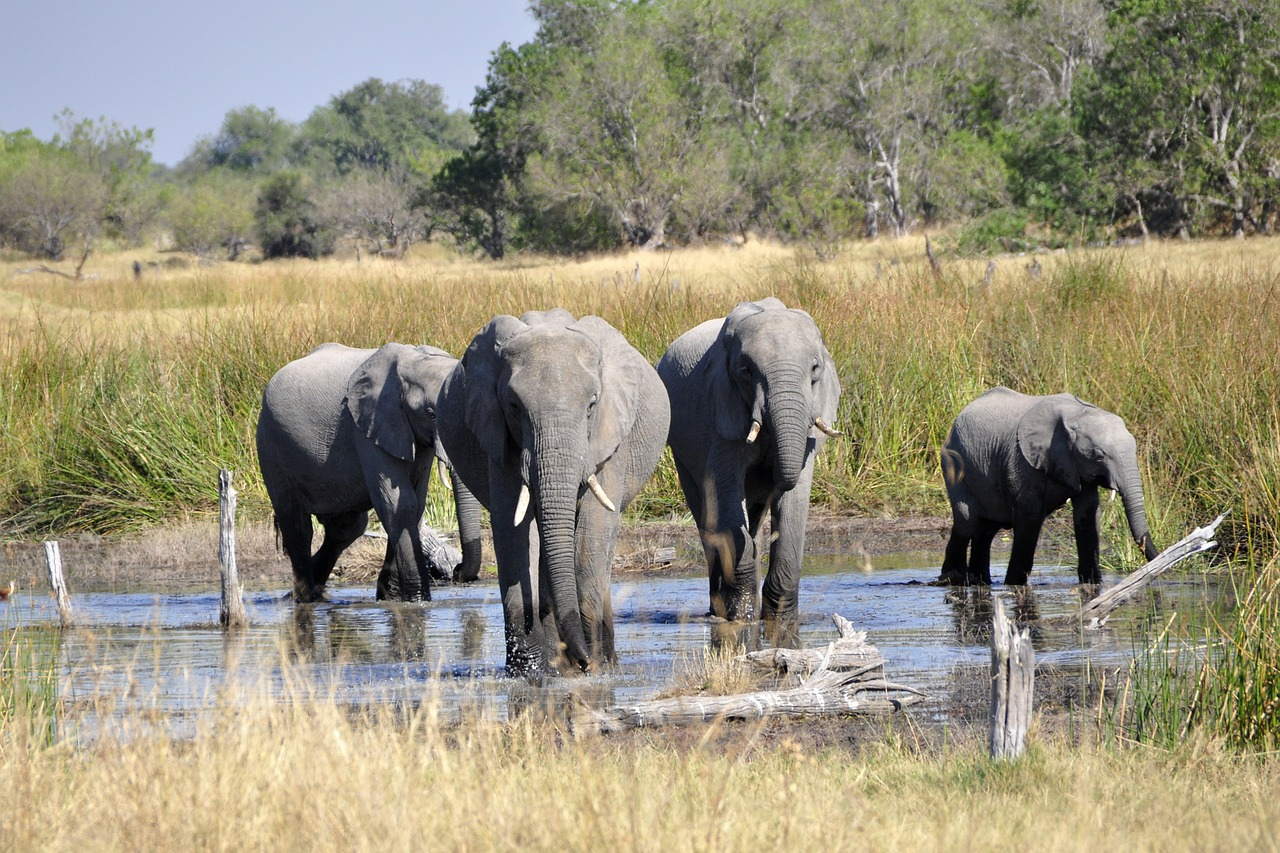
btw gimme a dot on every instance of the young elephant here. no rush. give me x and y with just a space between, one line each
1011 459
345 430
752 397
555 424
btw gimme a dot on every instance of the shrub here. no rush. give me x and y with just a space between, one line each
287 220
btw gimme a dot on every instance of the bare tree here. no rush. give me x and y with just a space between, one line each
50 200
377 207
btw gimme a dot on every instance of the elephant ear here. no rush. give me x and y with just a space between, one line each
480 365
732 412
621 371
375 401
1046 438
828 397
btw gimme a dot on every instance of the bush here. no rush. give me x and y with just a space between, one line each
287 221
211 216
1002 230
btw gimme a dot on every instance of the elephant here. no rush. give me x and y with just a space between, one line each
753 395
554 423
1012 459
343 431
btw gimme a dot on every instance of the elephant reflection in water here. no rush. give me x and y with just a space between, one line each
972 609
408 640
472 635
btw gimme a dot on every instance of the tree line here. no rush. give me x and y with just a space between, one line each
1022 122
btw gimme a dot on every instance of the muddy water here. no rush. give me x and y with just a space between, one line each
166 652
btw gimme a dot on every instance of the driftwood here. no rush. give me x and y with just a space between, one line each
1013 668
1096 612
442 558
850 652
861 689
231 613
53 560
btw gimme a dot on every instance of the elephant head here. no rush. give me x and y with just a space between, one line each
1078 445
777 379
548 400
392 397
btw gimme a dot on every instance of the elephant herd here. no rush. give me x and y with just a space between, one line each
554 424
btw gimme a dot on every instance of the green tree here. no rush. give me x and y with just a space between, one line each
287 221
214 213
378 125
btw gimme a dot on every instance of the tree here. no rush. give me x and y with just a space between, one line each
377 207
287 221
216 212
379 125
1193 87
121 159
48 198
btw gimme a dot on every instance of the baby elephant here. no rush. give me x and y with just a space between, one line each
343 431
1011 459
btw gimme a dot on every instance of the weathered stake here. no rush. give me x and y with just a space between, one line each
1013 667
231 614
53 559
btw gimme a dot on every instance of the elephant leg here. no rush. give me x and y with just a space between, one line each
790 512
955 561
979 571
596 536
516 549
467 509
295 538
729 543
693 496
340 531
1026 533
1084 517
404 575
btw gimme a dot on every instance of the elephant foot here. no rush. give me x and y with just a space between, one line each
305 593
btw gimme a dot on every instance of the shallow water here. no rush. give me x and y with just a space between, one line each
167 652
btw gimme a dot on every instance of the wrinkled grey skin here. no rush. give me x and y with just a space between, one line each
767 363
343 431
1012 459
543 402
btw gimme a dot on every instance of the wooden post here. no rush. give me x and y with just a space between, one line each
53 559
231 614
1013 668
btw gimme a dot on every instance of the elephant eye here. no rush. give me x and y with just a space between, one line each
591 404
816 370
744 369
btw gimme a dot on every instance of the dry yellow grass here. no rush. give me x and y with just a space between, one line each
310 775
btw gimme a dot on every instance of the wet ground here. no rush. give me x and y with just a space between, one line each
167 652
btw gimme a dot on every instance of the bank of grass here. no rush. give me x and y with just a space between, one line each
311 774
122 397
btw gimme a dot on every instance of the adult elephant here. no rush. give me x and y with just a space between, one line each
343 431
752 398
1012 459
555 424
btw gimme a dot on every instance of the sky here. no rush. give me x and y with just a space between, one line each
178 66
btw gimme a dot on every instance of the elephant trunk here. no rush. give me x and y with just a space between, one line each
1130 487
556 469
789 418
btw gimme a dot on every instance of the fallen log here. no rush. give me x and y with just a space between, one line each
1095 613
850 651
442 558
860 689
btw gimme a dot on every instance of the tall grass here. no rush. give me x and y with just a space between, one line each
309 772
119 399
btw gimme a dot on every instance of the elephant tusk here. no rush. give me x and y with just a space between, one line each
1113 495
755 430
596 489
522 505
444 474
826 427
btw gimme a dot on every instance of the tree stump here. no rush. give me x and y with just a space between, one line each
231 613
1013 667
53 560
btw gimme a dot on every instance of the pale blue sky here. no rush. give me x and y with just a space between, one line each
179 66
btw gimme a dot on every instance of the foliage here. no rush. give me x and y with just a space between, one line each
213 213
287 220
1002 230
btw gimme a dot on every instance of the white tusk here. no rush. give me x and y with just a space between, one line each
826 428
755 430
1113 495
596 489
444 474
522 504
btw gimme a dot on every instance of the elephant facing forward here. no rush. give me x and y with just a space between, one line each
1011 459
343 431
752 397
555 424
